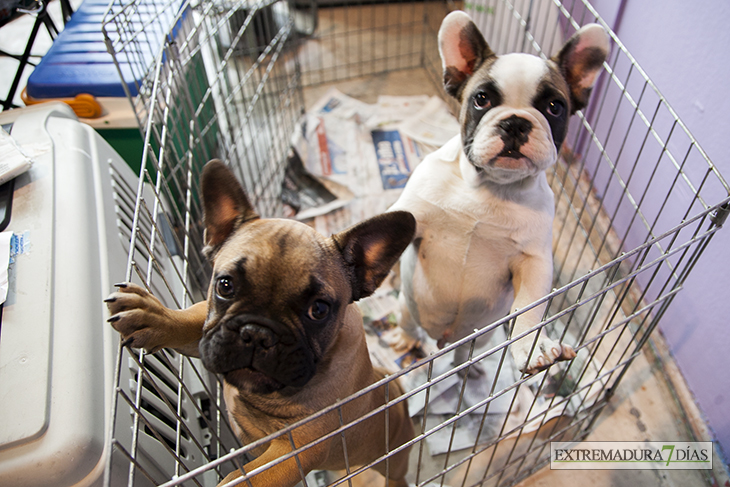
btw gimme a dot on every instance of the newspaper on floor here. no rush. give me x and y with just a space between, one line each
433 125
364 149
305 196
391 111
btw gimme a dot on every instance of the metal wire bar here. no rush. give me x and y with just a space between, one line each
135 425
464 381
561 380
536 395
387 431
179 413
296 457
172 408
484 415
211 427
138 415
113 411
132 460
429 376
344 445
239 466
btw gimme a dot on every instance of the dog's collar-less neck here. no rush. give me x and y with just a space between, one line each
474 178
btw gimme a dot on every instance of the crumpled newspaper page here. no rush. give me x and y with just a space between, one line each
363 148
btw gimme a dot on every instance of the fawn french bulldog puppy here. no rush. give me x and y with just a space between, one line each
281 327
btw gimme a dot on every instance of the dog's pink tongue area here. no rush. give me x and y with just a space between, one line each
511 163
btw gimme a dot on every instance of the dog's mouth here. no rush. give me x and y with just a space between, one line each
254 380
257 354
251 380
512 160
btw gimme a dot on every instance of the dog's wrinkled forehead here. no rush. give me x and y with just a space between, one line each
276 258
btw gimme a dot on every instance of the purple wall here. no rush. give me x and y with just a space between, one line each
684 47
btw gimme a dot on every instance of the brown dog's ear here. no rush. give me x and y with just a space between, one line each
371 247
225 205
580 60
462 48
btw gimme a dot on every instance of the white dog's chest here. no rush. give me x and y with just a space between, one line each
461 269
457 272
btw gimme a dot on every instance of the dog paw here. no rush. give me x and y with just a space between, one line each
138 316
399 340
546 353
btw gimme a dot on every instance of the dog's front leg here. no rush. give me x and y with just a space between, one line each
532 279
286 473
145 323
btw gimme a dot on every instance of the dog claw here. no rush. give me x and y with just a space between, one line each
128 342
546 353
113 319
110 299
121 285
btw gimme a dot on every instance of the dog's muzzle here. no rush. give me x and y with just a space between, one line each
514 132
258 351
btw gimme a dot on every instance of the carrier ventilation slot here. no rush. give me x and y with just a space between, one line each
125 201
155 407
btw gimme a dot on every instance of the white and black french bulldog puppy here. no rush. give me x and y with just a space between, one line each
482 202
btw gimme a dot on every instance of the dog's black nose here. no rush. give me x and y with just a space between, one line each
516 129
258 336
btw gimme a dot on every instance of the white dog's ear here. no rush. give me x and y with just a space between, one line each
581 60
462 48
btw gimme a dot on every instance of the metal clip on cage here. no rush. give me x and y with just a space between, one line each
227 79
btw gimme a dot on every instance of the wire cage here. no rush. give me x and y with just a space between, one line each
637 202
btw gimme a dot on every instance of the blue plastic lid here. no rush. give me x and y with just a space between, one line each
78 61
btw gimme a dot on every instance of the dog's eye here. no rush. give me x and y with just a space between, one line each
481 101
318 311
224 287
556 108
